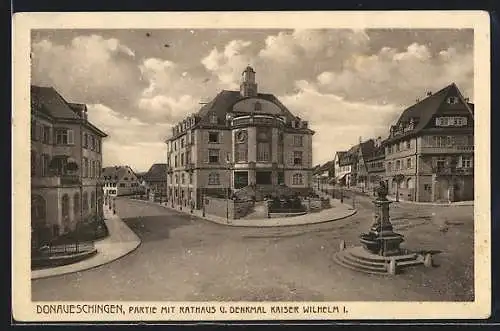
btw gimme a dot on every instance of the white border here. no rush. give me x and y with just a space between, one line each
24 309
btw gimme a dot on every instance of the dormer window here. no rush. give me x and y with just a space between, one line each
257 106
213 118
452 100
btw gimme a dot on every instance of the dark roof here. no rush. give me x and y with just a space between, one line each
423 111
157 172
367 148
48 101
323 167
223 102
118 171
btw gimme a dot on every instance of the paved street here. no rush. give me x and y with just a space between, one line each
186 258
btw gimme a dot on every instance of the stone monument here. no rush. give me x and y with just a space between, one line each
380 252
382 239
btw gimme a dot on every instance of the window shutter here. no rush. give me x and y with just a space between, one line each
71 137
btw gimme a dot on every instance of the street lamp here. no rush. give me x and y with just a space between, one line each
229 167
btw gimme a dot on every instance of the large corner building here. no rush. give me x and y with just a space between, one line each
239 139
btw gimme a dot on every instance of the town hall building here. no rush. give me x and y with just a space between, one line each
239 139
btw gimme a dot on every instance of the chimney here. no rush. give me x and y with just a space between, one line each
429 93
467 99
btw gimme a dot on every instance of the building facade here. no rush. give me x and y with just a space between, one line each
119 181
343 166
66 161
375 164
429 154
155 181
239 139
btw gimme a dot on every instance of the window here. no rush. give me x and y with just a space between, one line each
45 165
98 168
38 210
451 121
175 161
397 148
91 169
213 156
33 163
92 142
182 159
98 145
176 179
213 118
92 200
257 106
193 138
389 166
398 165
182 143
408 163
190 178
213 137
65 137
85 167
85 140
297 158
440 164
263 151
213 179
408 144
241 153
466 161
452 100
183 178
297 179
46 134
175 145
297 141
122 184
65 210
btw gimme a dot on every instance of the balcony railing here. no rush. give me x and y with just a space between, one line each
455 171
444 149
54 181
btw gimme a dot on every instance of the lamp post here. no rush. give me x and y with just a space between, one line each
228 190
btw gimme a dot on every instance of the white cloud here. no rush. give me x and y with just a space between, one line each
338 123
399 76
91 69
228 64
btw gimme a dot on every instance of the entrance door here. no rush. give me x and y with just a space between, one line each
240 179
263 178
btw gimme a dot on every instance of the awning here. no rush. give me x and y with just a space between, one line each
341 177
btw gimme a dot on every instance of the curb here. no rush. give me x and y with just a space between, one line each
139 242
351 213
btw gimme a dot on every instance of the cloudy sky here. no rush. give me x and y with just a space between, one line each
347 83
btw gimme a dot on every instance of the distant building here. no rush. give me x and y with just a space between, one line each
323 174
155 180
120 180
429 154
239 139
375 164
343 165
66 158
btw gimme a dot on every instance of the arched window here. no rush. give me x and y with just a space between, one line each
65 211
76 205
297 179
92 201
85 203
38 211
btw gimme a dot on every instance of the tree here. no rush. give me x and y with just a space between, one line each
398 179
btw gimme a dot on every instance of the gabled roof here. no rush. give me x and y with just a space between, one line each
157 172
323 167
116 172
423 111
48 101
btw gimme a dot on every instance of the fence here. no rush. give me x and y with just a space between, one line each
66 249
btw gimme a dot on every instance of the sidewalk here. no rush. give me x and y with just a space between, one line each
337 212
457 203
120 242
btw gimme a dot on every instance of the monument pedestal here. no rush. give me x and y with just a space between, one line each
380 252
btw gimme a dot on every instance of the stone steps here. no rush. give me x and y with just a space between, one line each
356 258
